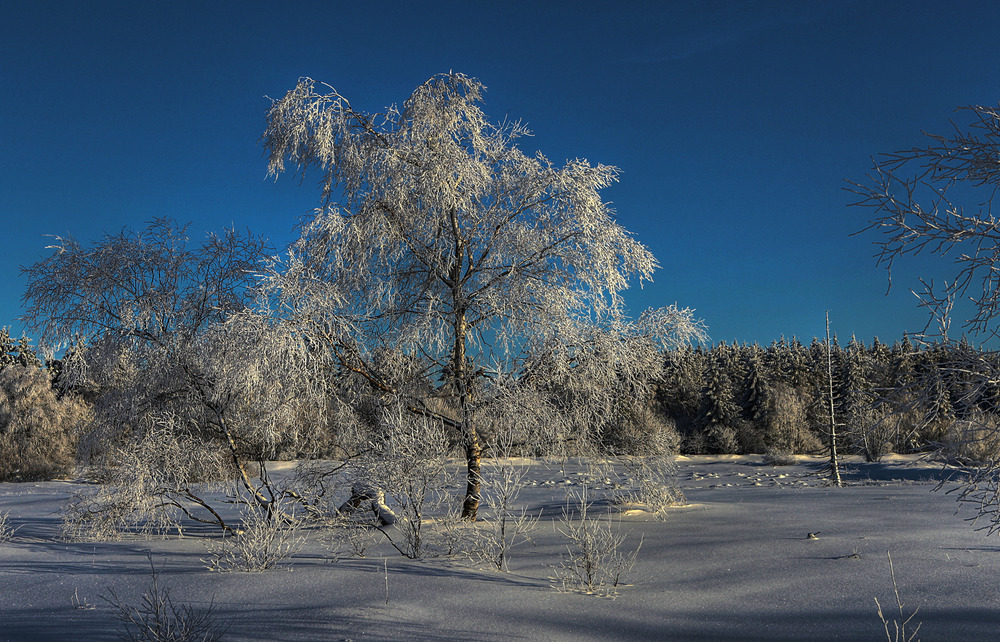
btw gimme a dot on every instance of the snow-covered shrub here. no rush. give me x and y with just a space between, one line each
777 457
147 483
642 430
157 618
263 540
650 478
595 560
652 483
873 432
37 429
6 530
751 436
414 454
788 423
975 440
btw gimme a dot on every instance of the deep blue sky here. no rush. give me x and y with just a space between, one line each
734 124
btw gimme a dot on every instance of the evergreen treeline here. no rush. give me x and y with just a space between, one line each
903 398
743 399
19 353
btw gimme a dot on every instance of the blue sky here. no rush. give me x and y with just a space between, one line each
734 125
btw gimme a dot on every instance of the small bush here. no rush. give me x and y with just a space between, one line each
595 561
787 422
871 432
651 479
694 442
973 441
263 541
775 457
751 436
37 429
413 467
652 484
6 530
157 618
641 431
876 444
721 439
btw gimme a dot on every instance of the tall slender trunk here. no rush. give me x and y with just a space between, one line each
834 463
473 450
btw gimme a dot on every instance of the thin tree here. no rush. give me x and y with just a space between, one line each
834 462
440 239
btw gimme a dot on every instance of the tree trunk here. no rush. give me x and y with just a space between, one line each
473 450
262 502
473 458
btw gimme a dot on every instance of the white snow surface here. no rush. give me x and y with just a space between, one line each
734 564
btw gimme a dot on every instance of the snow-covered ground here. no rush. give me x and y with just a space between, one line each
734 564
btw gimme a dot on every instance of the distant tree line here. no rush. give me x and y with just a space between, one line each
905 397
720 399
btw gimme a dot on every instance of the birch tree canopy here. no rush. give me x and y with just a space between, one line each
439 238
187 382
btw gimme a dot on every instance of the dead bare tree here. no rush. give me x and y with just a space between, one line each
834 461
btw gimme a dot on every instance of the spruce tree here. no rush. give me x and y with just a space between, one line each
681 391
880 358
7 350
719 411
26 354
854 384
755 387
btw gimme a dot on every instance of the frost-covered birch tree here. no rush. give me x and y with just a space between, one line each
439 241
187 383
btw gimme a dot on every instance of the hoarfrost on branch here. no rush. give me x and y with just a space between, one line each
440 242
